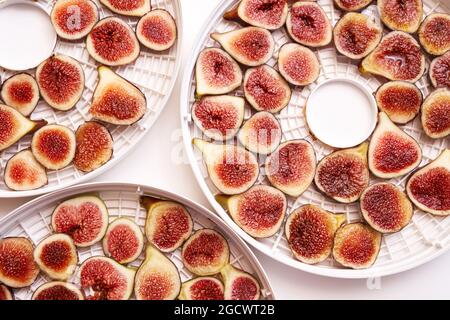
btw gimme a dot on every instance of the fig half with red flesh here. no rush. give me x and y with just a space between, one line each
291 168
265 89
429 187
259 211
23 172
74 19
219 117
116 100
298 64
308 24
112 42
57 290
202 288
436 114
439 71
17 266
123 241
352 5
434 35
392 152
21 92
206 252
157 30
310 231
61 81
239 285
133 8
403 15
5 293
84 218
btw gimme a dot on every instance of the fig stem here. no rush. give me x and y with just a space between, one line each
232 14
39 124
222 199
148 201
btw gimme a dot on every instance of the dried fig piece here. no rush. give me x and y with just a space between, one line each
403 15
202 288
23 172
57 290
133 8
352 5
433 33
157 30
5 293
21 92
298 64
439 70
436 114
239 285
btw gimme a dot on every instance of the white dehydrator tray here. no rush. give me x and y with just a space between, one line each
33 220
154 73
425 238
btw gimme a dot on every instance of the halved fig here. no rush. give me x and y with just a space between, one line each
206 252
310 231
397 57
261 133
56 256
356 35
5 293
265 89
116 100
219 117
429 187
61 81
57 290
251 46
157 30
107 279
343 175
400 100
439 71
259 211
267 14
291 167
202 288
392 152
157 278
84 218
17 266
231 168
239 285
168 223
403 15
123 241
298 64
352 5
74 19
23 172
54 146
216 72
133 8
308 24
436 114
433 33
94 146
112 42
21 92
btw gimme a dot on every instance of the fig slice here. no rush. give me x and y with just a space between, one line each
403 15
356 35
216 72
266 90
206 252
112 42
157 30
219 117
239 285
202 288
123 241
74 19
94 146
259 211
107 279
291 168
57 290
310 232
392 152
352 5
433 33
251 46
56 256
429 187
397 57
157 278
343 175
168 223
21 92
400 100
84 218
298 64
61 81
436 114
308 24
5 293
23 172
17 266
116 100
133 8
439 71
54 146
232 169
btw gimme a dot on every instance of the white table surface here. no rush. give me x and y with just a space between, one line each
150 164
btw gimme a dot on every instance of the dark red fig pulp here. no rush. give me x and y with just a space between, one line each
133 8
57 291
433 33
202 288
21 92
403 15
439 71
239 285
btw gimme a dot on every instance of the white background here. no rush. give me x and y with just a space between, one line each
151 164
